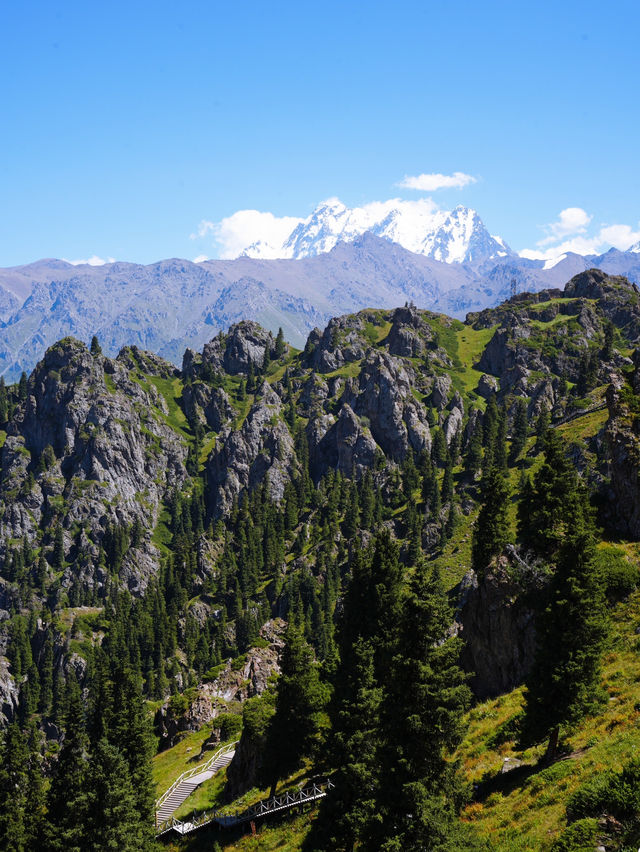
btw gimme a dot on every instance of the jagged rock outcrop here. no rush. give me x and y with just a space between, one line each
207 405
409 333
487 386
355 445
233 686
114 454
622 437
9 694
260 450
340 343
496 618
244 344
383 395
453 422
440 392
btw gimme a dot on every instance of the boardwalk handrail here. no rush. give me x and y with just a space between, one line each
203 767
289 799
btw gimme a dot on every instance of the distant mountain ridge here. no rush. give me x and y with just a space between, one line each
167 306
456 236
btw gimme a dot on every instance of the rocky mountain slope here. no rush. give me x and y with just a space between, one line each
167 306
176 514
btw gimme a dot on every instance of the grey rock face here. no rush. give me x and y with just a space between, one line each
208 405
487 386
261 450
341 343
9 694
498 628
440 392
408 333
116 456
383 394
356 447
453 423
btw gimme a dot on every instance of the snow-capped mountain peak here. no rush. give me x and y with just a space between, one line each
635 248
456 236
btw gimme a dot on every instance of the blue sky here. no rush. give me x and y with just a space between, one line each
124 125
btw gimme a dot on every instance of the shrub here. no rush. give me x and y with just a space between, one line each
619 575
229 725
615 793
178 704
579 837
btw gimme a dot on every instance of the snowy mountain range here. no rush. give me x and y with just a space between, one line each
169 305
456 236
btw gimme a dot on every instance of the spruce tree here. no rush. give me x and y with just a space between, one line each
520 430
473 458
66 800
279 347
113 821
299 720
95 348
355 714
551 506
564 683
4 405
422 723
491 532
22 386
14 817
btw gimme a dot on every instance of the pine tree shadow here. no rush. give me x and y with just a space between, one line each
505 782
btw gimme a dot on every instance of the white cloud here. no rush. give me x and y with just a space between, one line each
94 260
569 234
572 220
200 258
246 227
432 182
620 236
578 245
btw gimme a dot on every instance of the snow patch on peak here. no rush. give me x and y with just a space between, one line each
456 236
635 248
554 261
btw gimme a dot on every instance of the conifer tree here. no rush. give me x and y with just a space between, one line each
36 798
490 422
57 554
4 405
279 347
95 348
113 821
520 430
67 794
422 723
299 719
22 386
564 683
473 459
447 482
606 352
266 361
551 507
14 817
491 531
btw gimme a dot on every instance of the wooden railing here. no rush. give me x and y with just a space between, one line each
316 790
202 767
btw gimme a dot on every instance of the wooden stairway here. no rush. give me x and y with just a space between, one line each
183 786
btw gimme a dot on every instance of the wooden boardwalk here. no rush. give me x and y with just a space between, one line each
184 786
311 793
